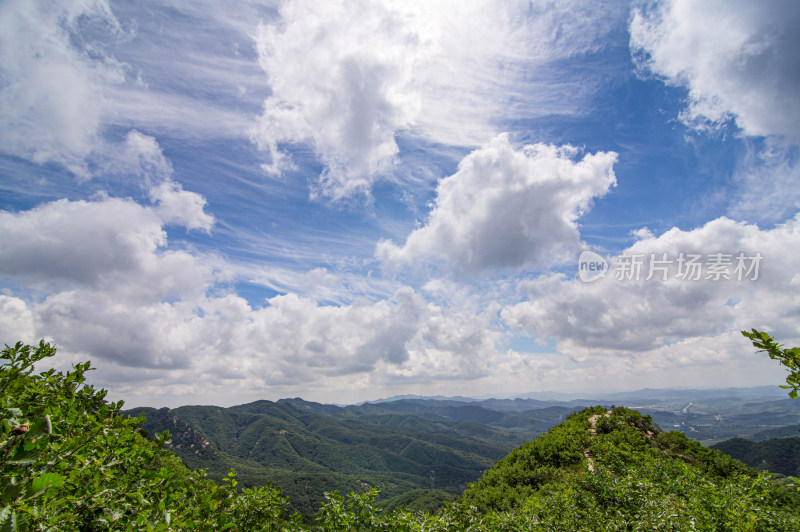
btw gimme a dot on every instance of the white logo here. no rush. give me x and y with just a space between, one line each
591 266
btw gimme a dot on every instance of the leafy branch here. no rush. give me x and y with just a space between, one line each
789 357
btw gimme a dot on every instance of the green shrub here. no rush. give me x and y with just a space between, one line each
70 461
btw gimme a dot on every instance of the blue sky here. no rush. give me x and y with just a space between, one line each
222 202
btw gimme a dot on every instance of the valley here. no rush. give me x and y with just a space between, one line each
421 452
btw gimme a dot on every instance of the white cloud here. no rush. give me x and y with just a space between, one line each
737 58
16 321
507 208
52 99
349 77
766 179
119 326
453 345
340 74
182 207
98 244
107 288
141 156
209 343
650 319
78 241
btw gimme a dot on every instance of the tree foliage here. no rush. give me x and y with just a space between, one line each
70 461
641 479
776 455
788 357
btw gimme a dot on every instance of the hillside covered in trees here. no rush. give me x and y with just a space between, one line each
72 462
306 453
421 452
777 455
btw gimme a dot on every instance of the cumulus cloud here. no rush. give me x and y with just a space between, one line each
292 341
140 155
110 285
453 345
350 99
295 339
162 324
655 317
507 208
738 59
98 244
349 77
181 207
78 241
108 288
16 321
341 97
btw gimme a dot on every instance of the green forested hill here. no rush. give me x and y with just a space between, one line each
306 453
492 413
781 432
404 445
709 416
777 455
615 470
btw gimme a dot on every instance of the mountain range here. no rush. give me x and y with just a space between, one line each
422 451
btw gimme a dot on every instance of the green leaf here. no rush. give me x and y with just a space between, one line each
46 481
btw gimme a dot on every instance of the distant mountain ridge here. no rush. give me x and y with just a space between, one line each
306 452
754 392
431 447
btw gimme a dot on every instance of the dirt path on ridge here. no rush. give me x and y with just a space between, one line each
592 433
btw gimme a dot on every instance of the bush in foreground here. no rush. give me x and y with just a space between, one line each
70 461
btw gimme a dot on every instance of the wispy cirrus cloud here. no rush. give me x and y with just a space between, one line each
72 71
52 97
